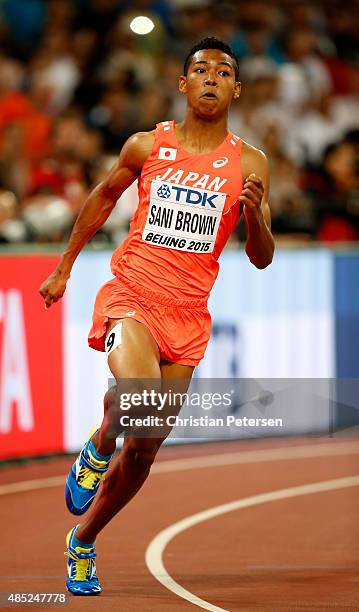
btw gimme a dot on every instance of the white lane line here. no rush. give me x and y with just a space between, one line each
257 456
33 485
155 550
194 463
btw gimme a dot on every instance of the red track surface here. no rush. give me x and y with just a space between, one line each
300 553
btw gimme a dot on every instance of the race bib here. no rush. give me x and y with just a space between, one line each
183 218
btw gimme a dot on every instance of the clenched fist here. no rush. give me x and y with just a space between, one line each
53 288
252 192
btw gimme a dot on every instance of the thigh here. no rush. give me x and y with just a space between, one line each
137 356
175 377
176 371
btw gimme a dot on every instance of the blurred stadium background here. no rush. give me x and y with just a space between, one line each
75 82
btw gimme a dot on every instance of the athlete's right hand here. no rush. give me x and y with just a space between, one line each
53 288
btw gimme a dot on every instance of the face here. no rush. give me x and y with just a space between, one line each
340 163
210 84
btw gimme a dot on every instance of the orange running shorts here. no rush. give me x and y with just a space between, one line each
181 328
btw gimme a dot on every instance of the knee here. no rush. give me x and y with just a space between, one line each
130 399
118 397
110 397
141 456
134 396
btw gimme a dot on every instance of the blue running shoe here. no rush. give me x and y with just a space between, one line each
84 478
81 567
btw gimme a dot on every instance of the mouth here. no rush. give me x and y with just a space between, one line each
209 95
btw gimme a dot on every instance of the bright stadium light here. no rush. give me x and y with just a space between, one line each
142 25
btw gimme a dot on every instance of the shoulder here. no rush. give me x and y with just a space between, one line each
142 140
253 160
137 148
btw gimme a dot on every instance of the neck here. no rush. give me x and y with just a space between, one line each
201 134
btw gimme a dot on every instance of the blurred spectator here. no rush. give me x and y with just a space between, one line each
113 116
14 165
313 130
13 102
343 24
63 173
259 23
335 190
192 22
152 105
54 69
259 107
47 218
12 228
304 75
292 210
345 108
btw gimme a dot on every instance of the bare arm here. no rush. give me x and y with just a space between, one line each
96 210
254 197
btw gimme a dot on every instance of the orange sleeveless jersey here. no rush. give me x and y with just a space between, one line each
188 207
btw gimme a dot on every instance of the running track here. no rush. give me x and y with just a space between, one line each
255 525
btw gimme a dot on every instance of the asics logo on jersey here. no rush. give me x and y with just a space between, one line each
163 191
219 163
184 195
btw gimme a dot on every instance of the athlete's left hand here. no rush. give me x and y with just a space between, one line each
252 192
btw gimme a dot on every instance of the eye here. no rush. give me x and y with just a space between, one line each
224 73
199 70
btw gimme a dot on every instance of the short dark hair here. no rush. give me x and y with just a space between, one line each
211 42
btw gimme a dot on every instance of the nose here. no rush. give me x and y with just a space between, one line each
211 78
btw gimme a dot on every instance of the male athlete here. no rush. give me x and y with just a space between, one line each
195 181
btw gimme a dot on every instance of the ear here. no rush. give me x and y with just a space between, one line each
182 84
237 90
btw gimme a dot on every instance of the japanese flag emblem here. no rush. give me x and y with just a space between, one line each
169 154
